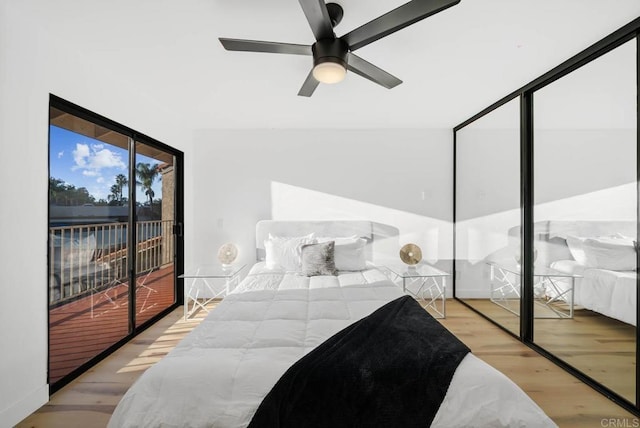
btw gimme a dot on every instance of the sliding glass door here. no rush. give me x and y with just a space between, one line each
155 195
88 241
114 204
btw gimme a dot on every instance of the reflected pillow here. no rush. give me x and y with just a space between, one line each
318 259
576 248
284 252
605 252
571 267
82 252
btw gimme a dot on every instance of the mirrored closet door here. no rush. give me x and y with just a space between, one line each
585 218
546 212
487 228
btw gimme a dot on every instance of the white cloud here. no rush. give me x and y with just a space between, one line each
60 154
105 158
93 159
80 155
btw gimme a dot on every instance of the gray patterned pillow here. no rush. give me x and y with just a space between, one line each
318 259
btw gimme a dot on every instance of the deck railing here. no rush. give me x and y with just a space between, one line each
87 258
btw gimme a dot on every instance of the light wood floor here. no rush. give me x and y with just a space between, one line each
89 400
599 346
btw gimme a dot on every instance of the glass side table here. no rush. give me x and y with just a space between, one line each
200 280
552 289
425 283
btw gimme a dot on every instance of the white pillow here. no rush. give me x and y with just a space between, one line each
572 267
339 240
576 248
605 252
350 254
285 252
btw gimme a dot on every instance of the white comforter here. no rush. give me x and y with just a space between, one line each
611 293
218 375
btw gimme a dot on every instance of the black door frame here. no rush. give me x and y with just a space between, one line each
624 34
71 108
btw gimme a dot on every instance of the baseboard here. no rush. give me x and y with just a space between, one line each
19 410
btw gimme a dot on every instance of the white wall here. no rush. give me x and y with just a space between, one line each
39 54
397 177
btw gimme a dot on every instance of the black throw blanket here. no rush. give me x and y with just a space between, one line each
390 369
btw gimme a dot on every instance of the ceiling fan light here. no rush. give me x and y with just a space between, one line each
329 72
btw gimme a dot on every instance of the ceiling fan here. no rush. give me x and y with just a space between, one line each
333 56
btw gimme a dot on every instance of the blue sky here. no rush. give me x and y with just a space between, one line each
86 162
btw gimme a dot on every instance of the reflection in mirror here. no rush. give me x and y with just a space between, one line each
488 215
585 219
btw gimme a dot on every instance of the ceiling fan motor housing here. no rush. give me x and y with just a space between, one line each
335 13
330 50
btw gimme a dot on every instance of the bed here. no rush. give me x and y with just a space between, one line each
602 254
219 375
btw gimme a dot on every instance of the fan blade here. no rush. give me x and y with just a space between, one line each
399 18
309 85
369 71
262 46
318 17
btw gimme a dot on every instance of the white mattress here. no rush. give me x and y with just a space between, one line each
611 293
218 375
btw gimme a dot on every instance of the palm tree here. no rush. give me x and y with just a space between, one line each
150 193
121 181
114 193
147 174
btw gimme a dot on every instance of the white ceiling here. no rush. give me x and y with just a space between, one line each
453 64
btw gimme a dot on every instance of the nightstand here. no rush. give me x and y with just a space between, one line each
200 278
425 283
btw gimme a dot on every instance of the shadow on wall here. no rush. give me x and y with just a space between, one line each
434 236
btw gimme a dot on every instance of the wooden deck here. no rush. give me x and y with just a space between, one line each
80 330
